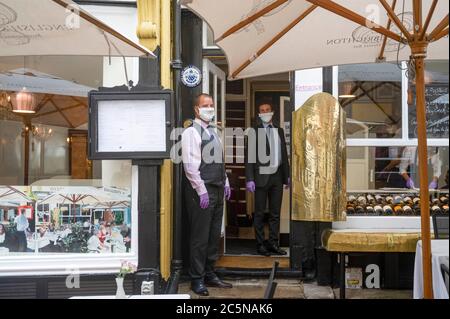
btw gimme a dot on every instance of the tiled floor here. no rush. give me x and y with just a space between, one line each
293 289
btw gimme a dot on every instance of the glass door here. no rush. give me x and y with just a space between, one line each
214 84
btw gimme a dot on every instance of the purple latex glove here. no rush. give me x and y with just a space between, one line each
410 183
288 185
227 192
433 185
251 186
204 201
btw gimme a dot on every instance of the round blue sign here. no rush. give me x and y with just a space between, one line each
191 76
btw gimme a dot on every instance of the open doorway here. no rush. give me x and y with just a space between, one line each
236 107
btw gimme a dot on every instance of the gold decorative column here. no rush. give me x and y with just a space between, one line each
319 160
154 30
148 23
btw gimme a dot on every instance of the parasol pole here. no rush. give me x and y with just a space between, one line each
419 52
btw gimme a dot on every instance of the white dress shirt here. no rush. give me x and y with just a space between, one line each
191 145
21 222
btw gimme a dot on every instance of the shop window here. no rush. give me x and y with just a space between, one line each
371 95
53 200
383 167
436 97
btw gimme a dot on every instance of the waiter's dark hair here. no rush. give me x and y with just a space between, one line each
198 97
265 102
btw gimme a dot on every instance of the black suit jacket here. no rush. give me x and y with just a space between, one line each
9 241
252 170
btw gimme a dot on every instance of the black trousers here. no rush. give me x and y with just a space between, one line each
273 191
21 241
205 230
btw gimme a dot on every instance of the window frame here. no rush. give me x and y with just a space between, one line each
383 142
35 264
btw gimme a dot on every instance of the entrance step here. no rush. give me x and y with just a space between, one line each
252 262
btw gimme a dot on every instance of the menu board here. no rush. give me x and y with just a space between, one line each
129 125
437 108
132 126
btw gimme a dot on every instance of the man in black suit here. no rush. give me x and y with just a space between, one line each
267 170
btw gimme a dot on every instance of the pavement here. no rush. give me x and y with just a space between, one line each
291 289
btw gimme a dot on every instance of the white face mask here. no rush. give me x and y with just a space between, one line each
266 117
206 113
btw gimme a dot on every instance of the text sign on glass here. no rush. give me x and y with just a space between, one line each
132 126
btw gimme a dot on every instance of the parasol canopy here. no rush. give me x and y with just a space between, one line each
82 196
59 27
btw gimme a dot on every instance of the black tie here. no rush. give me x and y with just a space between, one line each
210 129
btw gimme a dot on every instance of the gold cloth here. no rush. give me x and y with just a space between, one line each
319 160
359 241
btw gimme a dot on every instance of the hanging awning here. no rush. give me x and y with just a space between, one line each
59 27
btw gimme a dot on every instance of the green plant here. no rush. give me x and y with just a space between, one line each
118 218
76 241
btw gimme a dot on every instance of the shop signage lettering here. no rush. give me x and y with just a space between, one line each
308 88
35 28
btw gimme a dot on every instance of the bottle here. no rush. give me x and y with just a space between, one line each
387 210
378 210
408 210
352 199
379 199
371 199
436 209
416 206
445 209
389 199
370 211
398 200
444 200
408 200
359 210
398 210
435 201
362 200
350 210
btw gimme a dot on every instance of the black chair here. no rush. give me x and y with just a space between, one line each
440 226
271 285
172 284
